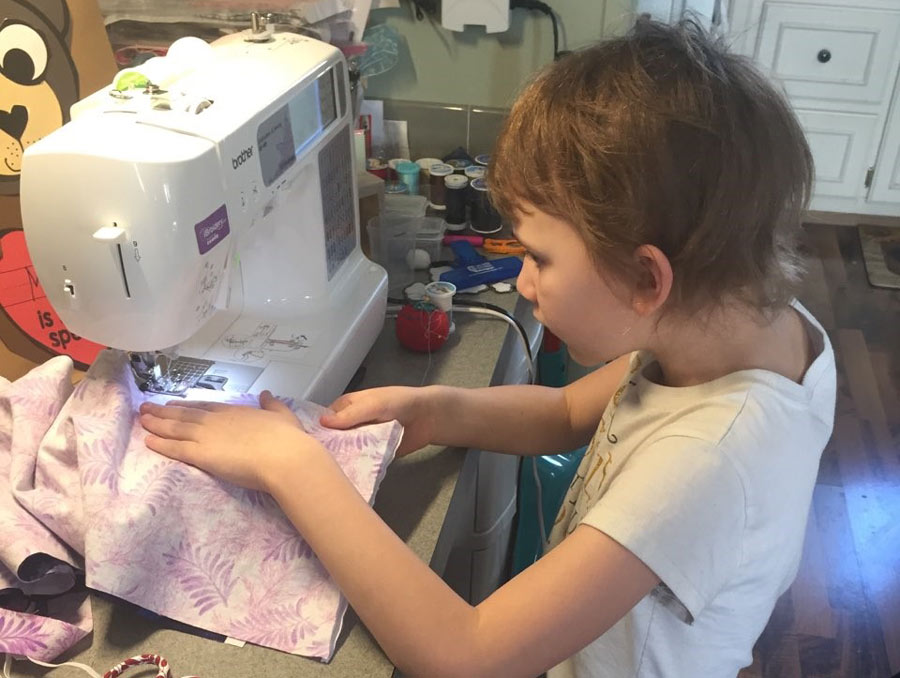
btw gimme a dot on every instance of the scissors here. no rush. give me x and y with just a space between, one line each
503 246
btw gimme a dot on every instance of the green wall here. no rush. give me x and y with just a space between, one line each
480 69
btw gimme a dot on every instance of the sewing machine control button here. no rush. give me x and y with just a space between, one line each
110 234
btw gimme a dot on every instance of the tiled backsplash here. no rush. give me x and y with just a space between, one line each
434 130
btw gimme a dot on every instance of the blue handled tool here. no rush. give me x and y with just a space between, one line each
472 269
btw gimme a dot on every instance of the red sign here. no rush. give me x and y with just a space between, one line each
25 303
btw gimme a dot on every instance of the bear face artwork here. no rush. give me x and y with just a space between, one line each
38 80
41 77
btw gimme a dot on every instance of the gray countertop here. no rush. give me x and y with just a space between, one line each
413 499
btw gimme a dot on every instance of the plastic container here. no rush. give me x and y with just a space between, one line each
408 173
430 236
405 205
391 238
359 150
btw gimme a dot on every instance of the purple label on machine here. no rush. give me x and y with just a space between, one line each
212 230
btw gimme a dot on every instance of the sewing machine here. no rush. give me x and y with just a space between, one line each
201 213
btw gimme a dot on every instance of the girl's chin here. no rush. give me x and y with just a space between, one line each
586 358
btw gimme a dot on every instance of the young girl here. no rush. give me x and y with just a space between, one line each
657 183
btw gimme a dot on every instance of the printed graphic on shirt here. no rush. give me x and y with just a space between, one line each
590 480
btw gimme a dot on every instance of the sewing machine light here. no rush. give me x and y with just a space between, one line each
109 234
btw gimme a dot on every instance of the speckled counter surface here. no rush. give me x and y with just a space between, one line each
413 500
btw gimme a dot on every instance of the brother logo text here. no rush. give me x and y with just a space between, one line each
242 157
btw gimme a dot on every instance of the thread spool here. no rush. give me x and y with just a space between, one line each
395 187
425 171
458 165
377 167
436 175
408 173
392 167
475 172
485 219
455 185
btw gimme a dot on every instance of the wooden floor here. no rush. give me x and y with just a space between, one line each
841 618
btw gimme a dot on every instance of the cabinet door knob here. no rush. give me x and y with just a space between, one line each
824 56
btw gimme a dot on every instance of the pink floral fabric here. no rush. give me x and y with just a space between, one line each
80 490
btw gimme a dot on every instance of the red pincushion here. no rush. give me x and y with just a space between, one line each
423 328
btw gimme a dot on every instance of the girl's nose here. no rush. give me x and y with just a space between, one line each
524 284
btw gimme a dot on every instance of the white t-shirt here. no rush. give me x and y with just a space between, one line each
710 486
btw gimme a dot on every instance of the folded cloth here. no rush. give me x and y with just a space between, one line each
78 488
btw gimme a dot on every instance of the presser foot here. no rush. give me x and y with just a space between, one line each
165 375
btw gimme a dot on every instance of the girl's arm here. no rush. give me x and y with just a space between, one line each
547 613
512 419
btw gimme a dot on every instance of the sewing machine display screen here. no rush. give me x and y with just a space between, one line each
284 135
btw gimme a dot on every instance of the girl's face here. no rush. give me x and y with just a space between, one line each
570 296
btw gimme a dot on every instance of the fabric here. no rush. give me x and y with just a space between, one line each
79 491
710 486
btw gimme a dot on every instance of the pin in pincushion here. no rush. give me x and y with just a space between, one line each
422 327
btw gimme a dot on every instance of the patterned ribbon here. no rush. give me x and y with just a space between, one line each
140 660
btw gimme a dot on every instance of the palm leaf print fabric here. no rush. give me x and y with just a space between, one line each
81 493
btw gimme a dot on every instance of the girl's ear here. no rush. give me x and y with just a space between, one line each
654 282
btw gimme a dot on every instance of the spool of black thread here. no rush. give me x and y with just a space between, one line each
485 219
455 186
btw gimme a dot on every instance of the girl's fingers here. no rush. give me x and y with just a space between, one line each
345 418
269 402
179 450
342 402
354 415
177 412
199 405
170 428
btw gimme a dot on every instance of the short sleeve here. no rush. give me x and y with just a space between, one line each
678 504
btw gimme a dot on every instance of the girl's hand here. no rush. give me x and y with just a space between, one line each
412 407
244 445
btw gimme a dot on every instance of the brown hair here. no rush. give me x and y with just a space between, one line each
662 137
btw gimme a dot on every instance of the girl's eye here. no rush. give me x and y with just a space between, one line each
537 261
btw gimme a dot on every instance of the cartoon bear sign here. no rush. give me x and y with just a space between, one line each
52 53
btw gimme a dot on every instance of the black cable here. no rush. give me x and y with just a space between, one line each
423 7
539 6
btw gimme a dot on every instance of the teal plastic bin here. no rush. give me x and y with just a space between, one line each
543 480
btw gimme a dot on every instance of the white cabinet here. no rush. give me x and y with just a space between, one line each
886 179
838 62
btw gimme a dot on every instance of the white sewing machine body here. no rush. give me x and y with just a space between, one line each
222 228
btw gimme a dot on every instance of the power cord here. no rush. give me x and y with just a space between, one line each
483 308
539 6
423 7
463 305
497 312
